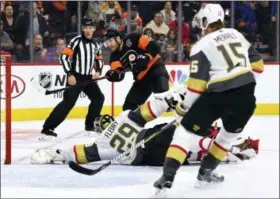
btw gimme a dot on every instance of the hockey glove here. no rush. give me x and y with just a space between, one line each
115 75
141 63
180 111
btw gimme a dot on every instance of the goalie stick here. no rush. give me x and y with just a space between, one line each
86 171
48 92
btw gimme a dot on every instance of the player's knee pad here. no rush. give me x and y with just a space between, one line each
226 139
185 139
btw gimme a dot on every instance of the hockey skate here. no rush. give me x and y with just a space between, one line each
163 184
206 177
90 131
47 134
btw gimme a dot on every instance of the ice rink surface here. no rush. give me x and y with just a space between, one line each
257 178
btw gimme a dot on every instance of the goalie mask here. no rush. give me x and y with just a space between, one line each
102 122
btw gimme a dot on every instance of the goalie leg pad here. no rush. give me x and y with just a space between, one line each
48 156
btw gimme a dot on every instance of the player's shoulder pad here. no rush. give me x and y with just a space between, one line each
201 45
133 37
114 57
122 117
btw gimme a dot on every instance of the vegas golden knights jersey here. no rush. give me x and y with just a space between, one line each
223 60
120 135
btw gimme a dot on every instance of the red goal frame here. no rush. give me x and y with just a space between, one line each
6 62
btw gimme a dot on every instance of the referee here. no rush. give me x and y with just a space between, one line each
82 61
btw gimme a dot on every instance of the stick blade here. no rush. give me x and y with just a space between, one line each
74 166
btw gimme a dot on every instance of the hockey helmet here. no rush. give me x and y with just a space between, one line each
210 13
102 122
111 32
88 22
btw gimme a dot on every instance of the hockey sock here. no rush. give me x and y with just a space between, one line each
216 154
175 157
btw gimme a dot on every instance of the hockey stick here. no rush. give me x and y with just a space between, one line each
76 167
48 92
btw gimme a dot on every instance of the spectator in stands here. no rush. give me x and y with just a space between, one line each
169 54
9 21
266 24
246 19
149 32
167 13
59 18
39 27
2 6
190 8
161 42
100 29
5 40
172 37
93 10
54 53
273 11
147 9
173 25
39 52
136 21
111 13
158 26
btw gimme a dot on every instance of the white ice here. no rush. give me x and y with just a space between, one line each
255 178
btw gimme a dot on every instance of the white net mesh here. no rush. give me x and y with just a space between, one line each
5 115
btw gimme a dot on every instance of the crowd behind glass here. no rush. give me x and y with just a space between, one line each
38 31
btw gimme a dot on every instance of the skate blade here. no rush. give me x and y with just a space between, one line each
160 193
91 133
204 185
46 138
201 184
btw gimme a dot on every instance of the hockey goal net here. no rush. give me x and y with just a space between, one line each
6 122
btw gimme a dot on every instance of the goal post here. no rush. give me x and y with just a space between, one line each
6 106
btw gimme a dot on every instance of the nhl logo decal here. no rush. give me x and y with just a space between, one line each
45 79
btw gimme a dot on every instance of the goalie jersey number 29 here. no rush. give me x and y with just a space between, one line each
120 135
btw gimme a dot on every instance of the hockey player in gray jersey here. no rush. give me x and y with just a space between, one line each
224 68
127 129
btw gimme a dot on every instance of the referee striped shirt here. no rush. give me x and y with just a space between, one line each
82 56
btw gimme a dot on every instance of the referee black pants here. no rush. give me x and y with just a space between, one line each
70 97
